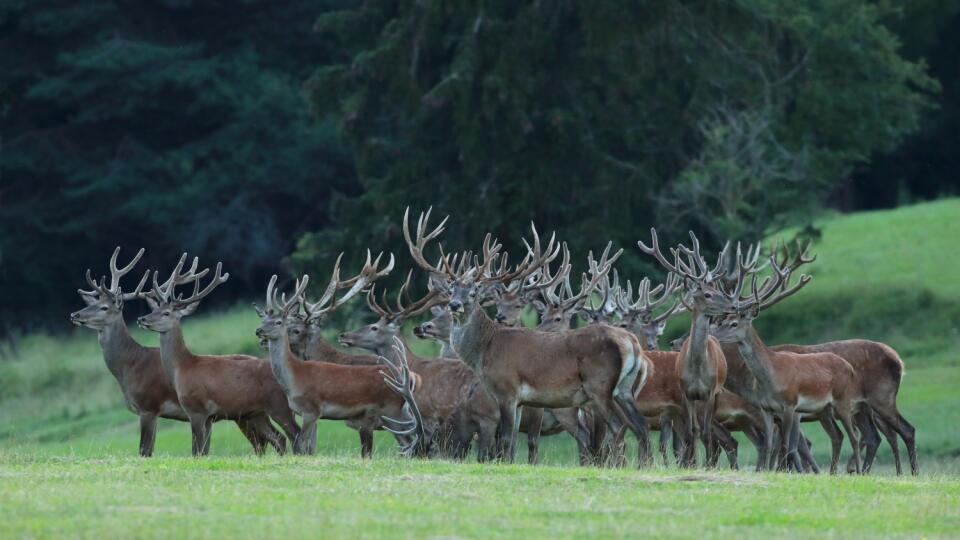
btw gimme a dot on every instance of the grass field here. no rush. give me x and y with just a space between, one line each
67 445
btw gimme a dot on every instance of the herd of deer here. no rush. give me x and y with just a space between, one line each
495 378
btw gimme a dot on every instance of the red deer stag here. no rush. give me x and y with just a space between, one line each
700 365
209 387
147 391
323 390
788 384
595 364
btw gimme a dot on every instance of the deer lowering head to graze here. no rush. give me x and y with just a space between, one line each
209 387
701 366
323 390
787 384
147 391
596 364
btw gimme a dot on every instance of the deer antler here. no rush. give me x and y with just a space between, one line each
164 292
284 306
328 301
398 377
423 237
115 275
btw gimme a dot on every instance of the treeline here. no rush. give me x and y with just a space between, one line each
273 135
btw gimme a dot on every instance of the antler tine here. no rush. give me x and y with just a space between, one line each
546 282
270 292
218 279
654 250
416 248
367 275
534 259
300 286
95 287
164 292
398 377
117 273
376 308
598 270
138 292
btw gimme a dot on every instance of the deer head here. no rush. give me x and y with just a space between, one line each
639 315
560 305
315 316
438 328
105 304
381 335
275 316
168 307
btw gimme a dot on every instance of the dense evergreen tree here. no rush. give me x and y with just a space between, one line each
600 119
173 125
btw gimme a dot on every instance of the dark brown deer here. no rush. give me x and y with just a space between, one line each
147 391
323 390
787 384
209 387
596 364
700 365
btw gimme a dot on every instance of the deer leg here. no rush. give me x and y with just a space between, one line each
890 415
534 417
836 438
806 456
487 442
790 437
308 433
770 433
891 436
729 445
755 435
253 436
666 430
690 445
284 418
584 438
638 425
198 433
508 431
208 434
148 433
869 437
845 413
366 441
712 454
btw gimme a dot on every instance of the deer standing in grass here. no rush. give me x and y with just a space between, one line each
210 387
307 341
788 384
446 383
323 390
518 366
701 366
147 391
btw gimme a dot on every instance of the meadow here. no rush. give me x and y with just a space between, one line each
68 465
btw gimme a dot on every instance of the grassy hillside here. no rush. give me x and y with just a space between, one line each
890 276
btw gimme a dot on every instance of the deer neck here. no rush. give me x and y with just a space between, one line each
471 338
320 350
697 361
757 358
281 361
119 348
173 352
446 350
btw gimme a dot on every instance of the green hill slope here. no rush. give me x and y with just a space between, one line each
890 276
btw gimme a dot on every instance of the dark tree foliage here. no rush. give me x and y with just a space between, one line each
171 125
925 165
599 119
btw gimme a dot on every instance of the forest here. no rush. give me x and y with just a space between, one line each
274 135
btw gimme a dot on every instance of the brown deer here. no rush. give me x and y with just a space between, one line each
596 364
339 392
147 391
880 371
701 365
307 342
209 387
446 382
787 384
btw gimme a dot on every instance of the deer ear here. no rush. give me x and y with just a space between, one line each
260 312
118 299
188 309
437 311
88 299
660 327
539 306
753 313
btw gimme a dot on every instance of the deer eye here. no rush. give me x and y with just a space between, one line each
707 295
374 328
277 323
104 308
166 313
557 318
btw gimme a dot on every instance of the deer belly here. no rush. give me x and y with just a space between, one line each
552 398
335 411
171 409
812 404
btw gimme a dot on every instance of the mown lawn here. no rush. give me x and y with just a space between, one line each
108 496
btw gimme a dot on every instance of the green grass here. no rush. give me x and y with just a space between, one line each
67 444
